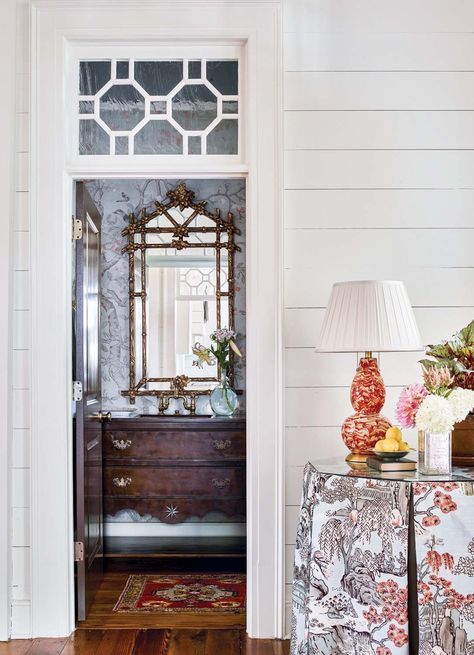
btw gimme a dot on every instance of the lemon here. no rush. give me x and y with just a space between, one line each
379 445
390 445
394 433
404 445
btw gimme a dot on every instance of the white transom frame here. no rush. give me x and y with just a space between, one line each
154 52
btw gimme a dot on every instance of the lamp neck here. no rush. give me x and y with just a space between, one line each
368 354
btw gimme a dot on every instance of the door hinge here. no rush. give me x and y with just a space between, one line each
78 551
77 390
76 229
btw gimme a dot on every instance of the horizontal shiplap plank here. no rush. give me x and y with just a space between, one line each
302 326
21 413
293 484
303 444
371 16
22 172
378 208
289 562
20 447
21 373
21 585
21 488
22 92
379 169
427 287
20 527
330 406
21 251
317 51
397 130
22 221
420 248
306 368
21 330
22 141
21 282
378 91
291 522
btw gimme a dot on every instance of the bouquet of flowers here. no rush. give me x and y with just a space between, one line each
437 404
223 342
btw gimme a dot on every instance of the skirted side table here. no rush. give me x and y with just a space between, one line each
384 563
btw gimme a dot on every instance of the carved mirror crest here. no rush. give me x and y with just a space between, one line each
181 289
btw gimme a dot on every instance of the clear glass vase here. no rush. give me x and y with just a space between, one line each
223 398
434 453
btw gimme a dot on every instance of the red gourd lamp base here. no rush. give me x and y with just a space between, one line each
362 430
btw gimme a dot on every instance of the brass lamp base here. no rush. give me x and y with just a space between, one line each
356 458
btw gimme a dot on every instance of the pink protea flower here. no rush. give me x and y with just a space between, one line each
408 404
437 378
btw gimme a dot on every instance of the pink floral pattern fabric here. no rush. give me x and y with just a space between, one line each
350 589
444 529
350 578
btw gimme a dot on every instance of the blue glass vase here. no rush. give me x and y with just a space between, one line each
223 398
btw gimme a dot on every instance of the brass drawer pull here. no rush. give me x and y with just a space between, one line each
220 483
220 444
122 482
121 444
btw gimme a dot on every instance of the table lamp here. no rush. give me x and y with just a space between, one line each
368 316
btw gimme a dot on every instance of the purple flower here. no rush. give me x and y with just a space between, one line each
221 335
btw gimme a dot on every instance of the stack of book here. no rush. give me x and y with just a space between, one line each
389 466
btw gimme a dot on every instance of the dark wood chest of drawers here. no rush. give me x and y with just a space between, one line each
175 469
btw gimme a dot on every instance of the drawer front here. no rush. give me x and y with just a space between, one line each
176 510
182 480
185 445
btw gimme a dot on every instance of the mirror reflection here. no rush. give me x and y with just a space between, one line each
182 311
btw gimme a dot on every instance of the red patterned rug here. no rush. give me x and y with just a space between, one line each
183 593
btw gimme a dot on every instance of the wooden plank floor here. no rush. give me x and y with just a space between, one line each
101 614
149 642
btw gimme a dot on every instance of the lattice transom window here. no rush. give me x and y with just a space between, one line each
159 107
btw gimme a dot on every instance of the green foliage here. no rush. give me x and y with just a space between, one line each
457 354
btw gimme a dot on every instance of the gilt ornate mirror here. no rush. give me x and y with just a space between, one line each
181 289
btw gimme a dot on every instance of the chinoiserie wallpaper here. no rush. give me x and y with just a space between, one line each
116 199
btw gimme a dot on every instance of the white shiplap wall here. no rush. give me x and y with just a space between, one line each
379 183
20 444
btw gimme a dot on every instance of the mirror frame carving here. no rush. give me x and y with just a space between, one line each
182 198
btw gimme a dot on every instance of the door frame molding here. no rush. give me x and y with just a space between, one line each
54 24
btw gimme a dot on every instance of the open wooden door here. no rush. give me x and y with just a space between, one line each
88 421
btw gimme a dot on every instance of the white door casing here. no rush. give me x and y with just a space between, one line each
58 27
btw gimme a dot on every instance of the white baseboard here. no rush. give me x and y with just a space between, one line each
122 529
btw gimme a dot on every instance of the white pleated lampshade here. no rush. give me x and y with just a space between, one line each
369 315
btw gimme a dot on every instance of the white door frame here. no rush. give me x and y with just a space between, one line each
55 23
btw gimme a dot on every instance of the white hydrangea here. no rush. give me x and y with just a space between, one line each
462 402
435 414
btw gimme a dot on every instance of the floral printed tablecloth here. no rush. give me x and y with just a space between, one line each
350 588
